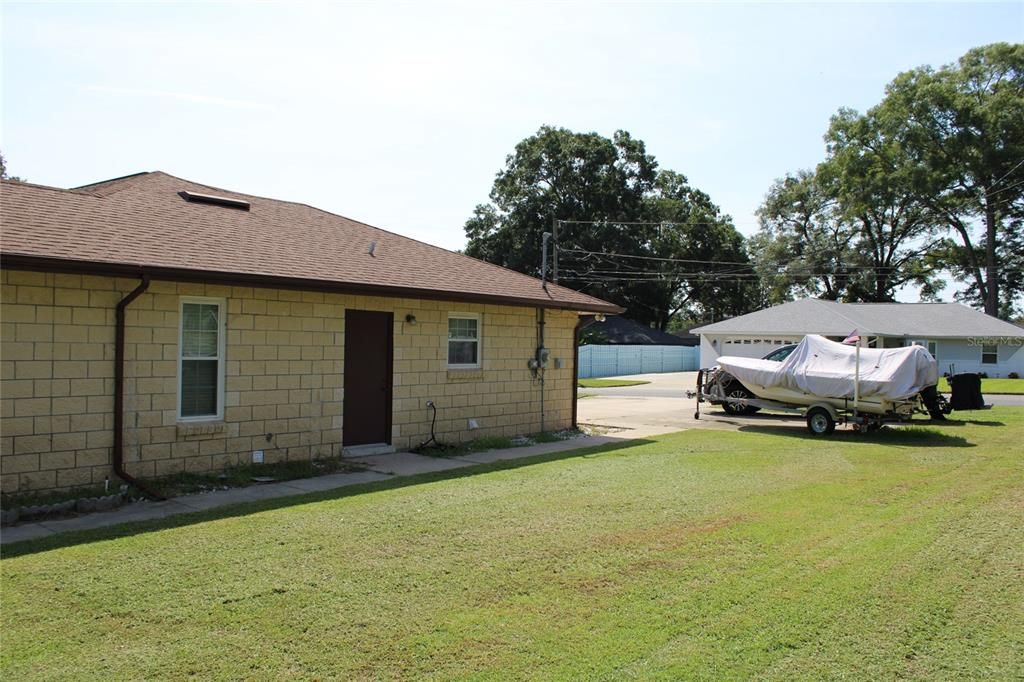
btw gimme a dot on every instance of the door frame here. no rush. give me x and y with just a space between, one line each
389 369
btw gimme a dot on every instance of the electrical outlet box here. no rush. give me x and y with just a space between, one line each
257 457
473 424
558 363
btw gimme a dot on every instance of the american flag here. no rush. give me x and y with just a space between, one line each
854 337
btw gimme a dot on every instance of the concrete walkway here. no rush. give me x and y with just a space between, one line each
378 468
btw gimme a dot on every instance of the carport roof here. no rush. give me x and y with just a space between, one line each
830 318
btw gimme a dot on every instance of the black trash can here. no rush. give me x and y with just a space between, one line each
966 392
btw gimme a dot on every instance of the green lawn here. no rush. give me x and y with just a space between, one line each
993 386
609 383
705 554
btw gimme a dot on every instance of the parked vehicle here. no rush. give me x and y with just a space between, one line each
828 383
736 396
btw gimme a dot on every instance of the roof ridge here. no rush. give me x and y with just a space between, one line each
123 179
373 227
52 188
856 325
892 302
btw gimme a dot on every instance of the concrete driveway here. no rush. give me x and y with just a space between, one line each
661 406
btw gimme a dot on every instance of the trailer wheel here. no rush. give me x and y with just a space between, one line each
820 422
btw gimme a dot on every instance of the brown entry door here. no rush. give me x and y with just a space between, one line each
368 347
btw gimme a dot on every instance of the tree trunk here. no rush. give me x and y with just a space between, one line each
972 259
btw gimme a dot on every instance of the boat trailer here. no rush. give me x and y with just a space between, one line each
821 416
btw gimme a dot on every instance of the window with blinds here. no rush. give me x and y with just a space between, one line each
200 388
463 341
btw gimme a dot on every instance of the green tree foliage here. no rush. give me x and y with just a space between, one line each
963 127
628 227
3 170
930 179
877 188
850 230
805 245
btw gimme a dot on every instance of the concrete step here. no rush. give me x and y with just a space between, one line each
367 450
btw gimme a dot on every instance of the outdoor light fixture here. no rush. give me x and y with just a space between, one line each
410 318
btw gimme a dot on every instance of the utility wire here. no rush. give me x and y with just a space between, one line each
656 258
1008 174
1016 184
706 262
651 223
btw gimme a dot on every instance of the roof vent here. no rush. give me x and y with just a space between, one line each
214 199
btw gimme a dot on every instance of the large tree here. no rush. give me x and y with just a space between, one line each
877 188
854 229
805 246
963 127
632 233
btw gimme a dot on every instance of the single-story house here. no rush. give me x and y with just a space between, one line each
153 325
960 338
616 346
615 330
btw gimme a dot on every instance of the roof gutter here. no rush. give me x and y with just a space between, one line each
42 264
118 455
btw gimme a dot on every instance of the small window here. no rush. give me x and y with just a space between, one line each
930 346
989 354
201 360
464 341
933 349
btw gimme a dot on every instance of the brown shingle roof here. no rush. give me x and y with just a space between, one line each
140 222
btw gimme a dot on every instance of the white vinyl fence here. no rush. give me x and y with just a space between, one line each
611 361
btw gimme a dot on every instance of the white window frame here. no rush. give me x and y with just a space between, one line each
994 352
479 340
929 345
222 309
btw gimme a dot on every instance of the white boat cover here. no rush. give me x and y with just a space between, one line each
827 369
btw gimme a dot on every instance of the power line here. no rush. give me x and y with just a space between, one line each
652 223
1016 184
656 258
1008 174
669 274
747 264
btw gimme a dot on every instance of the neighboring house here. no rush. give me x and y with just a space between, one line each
617 347
616 330
960 338
153 325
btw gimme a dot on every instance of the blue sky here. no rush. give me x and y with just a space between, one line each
400 114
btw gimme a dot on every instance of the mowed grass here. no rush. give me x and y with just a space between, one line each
993 386
705 554
609 383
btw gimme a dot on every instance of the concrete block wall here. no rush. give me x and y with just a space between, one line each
284 377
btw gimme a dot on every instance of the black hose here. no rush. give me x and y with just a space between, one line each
433 438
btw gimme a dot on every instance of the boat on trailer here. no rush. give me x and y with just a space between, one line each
831 383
